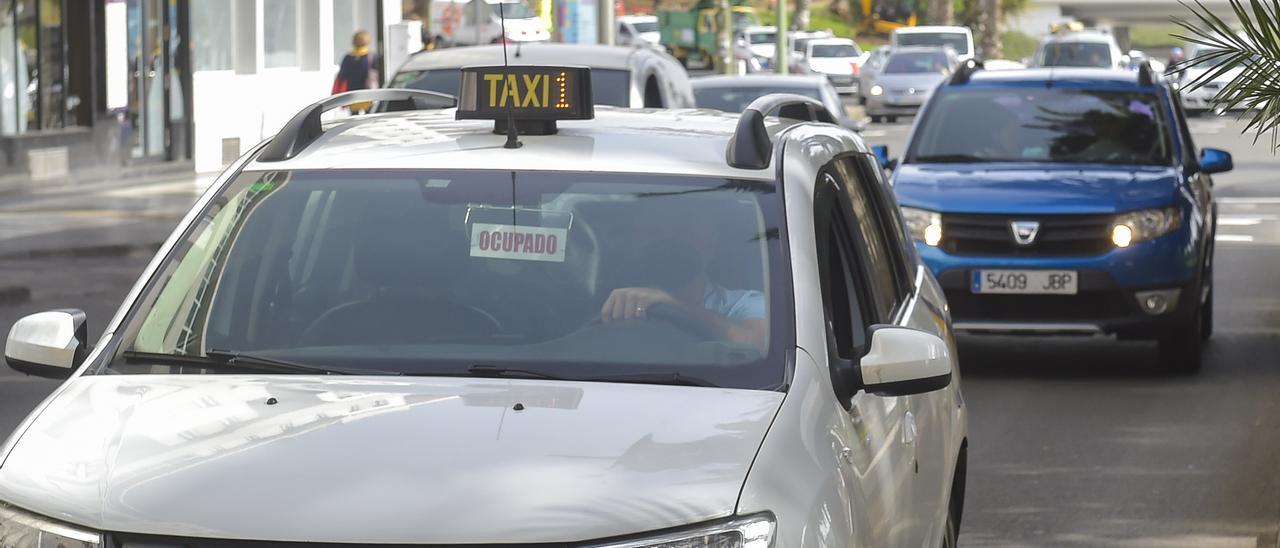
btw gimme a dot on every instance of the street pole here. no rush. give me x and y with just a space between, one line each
725 38
780 55
607 21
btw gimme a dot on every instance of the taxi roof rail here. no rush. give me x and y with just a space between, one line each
305 126
750 147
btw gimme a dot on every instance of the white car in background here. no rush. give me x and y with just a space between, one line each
757 46
1200 100
1002 64
799 40
839 59
959 39
638 30
1085 49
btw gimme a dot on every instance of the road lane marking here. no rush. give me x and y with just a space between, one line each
1267 200
1242 221
1233 238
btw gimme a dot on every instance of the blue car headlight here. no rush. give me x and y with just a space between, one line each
1145 224
923 225
19 529
751 532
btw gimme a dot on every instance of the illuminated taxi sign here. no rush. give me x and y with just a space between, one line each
525 93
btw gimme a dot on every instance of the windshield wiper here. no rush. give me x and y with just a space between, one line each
226 359
949 158
484 370
673 379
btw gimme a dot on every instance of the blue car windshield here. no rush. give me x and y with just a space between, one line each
1043 125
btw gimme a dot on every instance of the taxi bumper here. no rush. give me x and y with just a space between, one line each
1107 300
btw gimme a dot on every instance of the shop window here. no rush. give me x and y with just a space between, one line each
280 33
211 31
34 86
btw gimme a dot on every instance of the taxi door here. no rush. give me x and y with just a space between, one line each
876 448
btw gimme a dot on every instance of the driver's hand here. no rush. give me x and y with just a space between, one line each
631 303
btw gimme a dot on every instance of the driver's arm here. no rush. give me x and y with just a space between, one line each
634 303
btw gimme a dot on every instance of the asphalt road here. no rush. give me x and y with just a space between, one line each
1074 442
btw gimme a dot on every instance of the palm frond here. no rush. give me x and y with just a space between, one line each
1254 50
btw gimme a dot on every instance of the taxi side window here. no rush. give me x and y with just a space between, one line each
845 307
879 261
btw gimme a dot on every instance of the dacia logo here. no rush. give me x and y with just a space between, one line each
528 90
1024 232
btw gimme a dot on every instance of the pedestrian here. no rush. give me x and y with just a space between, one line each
359 70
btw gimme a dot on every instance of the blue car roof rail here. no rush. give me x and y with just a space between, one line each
304 128
965 71
750 147
1147 76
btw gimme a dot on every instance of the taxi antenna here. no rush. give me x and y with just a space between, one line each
513 138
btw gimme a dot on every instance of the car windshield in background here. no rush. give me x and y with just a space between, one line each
917 62
837 50
513 10
1076 54
608 87
645 26
957 40
647 278
762 37
1042 125
736 99
1211 58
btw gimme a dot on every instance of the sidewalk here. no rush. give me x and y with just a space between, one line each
108 218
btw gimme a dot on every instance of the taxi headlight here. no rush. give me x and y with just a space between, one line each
19 529
923 225
1144 224
877 90
752 532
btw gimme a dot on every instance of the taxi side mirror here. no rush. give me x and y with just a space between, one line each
48 344
882 155
904 361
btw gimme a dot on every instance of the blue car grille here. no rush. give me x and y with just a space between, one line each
1059 235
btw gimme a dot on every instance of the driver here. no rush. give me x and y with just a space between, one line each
675 249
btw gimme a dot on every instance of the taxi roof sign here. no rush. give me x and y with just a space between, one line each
537 94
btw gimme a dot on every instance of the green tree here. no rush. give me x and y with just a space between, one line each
1254 49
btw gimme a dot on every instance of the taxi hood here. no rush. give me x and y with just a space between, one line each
385 460
1014 188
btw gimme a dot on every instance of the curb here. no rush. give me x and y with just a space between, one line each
14 294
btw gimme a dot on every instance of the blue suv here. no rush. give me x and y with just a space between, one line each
1065 201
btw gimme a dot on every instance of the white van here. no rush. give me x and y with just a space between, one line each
475 22
959 38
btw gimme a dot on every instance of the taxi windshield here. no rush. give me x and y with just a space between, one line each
608 87
1043 125
652 278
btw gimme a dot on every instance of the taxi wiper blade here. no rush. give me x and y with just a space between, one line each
485 370
239 361
673 379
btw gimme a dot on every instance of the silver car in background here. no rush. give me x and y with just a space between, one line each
620 76
734 93
907 80
870 69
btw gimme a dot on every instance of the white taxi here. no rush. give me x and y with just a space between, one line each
516 322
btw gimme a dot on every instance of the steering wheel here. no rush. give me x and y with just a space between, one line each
369 311
672 315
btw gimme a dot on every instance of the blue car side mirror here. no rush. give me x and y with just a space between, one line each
1213 160
882 154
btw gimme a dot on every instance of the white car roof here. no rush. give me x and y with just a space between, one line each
1090 37
931 29
599 57
832 40
638 18
680 142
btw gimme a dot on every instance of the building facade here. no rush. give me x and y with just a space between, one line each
99 89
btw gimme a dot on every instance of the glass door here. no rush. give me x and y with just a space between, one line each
151 31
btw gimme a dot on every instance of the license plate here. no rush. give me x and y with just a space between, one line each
1025 282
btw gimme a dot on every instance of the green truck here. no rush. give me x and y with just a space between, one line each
691 35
